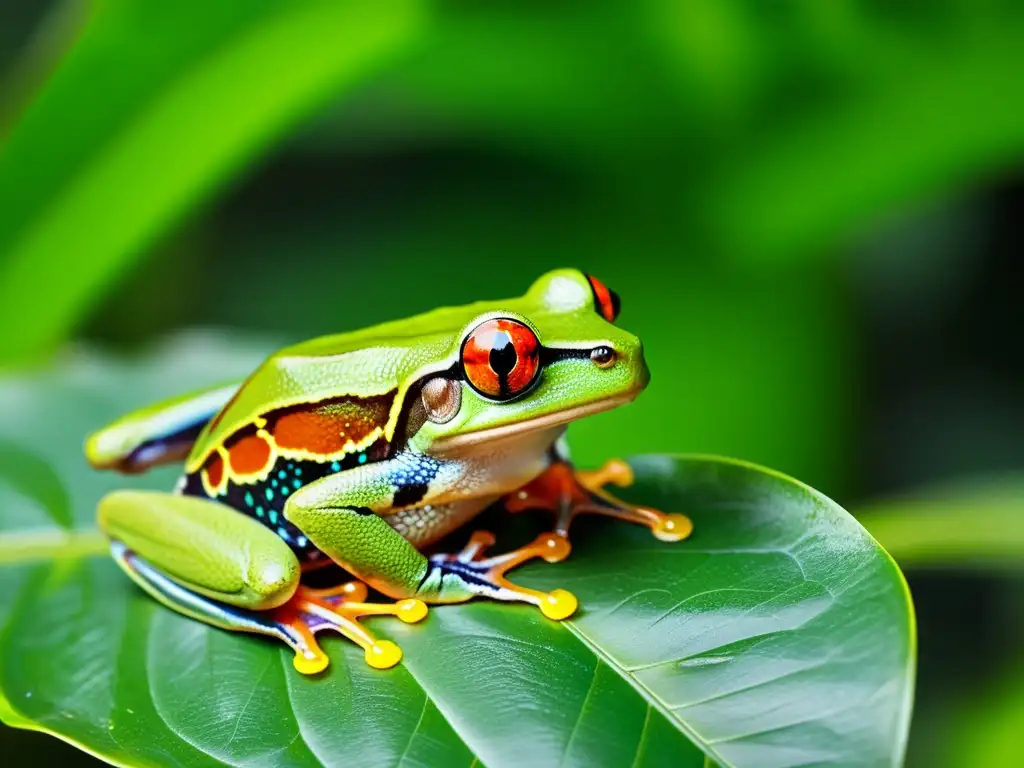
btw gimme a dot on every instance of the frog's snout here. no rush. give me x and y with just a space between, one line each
626 356
641 373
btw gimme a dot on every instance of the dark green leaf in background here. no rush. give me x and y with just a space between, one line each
779 634
975 523
154 107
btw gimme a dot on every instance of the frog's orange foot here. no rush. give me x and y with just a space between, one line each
313 610
566 493
485 577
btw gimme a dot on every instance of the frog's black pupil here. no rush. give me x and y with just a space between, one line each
503 355
602 355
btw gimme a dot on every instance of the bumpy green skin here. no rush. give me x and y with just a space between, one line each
477 456
393 356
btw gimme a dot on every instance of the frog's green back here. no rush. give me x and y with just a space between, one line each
381 360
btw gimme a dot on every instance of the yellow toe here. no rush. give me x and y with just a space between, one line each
559 604
554 548
311 664
383 654
673 528
410 611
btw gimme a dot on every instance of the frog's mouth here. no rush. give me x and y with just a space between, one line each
529 426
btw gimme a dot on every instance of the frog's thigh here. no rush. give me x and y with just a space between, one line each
207 547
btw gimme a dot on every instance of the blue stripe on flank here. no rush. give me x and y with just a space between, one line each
195 605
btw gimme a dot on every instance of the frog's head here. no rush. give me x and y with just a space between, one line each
533 363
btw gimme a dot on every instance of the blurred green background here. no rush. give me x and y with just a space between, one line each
812 211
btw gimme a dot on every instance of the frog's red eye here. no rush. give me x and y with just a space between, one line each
605 301
501 358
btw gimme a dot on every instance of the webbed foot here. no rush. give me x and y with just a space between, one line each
459 577
567 492
339 609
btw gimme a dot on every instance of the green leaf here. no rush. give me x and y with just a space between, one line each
779 634
32 477
973 524
199 91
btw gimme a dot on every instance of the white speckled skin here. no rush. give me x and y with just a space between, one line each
471 479
422 526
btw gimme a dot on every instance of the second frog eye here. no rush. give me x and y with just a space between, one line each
501 358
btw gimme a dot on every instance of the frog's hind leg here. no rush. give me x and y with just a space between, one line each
211 563
567 492
217 614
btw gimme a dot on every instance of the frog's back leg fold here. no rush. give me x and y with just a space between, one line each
159 434
206 547
208 562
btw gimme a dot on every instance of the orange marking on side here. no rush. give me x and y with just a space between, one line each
213 475
251 455
215 471
328 428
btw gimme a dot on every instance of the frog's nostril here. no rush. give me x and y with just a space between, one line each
603 357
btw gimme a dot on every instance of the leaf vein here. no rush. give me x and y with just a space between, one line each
419 722
583 709
643 737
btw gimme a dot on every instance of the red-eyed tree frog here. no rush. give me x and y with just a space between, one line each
364 449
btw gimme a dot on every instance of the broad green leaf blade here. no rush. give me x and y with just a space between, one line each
196 92
779 635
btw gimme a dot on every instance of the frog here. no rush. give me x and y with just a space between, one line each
361 451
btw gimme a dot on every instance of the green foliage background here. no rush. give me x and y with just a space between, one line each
807 207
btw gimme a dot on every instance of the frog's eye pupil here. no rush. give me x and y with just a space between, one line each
501 358
503 355
606 301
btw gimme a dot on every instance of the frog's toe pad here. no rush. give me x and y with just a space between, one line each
411 610
383 654
672 527
310 662
552 547
558 604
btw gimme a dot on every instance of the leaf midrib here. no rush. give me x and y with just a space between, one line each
652 700
48 544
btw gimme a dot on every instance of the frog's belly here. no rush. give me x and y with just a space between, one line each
422 526
476 477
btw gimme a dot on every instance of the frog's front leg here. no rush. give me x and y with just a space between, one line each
567 492
211 563
344 516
